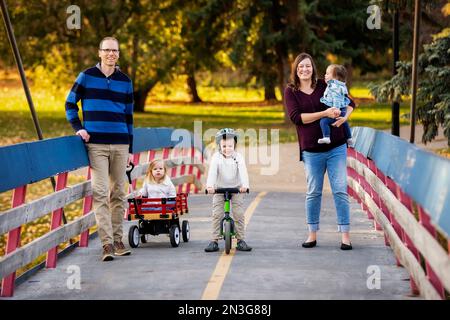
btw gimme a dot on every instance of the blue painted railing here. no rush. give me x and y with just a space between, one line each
424 176
407 191
30 162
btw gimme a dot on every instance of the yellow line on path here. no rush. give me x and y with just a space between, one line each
215 283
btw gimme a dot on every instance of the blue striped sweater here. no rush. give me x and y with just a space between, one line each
107 106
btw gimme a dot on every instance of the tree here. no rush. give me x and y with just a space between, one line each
271 33
205 24
433 89
152 46
148 32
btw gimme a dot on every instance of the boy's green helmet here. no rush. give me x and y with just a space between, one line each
226 133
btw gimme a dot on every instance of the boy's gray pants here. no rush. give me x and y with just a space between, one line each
237 213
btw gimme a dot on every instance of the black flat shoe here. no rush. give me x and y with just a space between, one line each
310 244
346 246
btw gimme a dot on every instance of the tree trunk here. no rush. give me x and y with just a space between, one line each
192 88
269 87
281 49
283 75
269 93
349 80
139 99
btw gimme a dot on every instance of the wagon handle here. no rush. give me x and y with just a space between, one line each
131 166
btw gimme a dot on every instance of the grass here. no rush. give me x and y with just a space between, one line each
16 124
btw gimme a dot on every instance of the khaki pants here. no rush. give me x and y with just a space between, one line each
237 213
108 165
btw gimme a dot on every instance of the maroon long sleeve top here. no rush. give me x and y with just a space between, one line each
298 102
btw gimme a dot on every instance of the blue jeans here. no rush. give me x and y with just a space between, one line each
335 162
326 122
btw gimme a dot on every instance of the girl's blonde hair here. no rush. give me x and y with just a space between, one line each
149 177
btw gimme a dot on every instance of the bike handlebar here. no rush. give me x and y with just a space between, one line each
227 190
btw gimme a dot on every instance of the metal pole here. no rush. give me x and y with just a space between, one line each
417 12
395 129
18 59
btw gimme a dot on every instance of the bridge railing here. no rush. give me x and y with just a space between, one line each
26 163
406 190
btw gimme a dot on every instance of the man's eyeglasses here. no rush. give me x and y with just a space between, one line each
110 50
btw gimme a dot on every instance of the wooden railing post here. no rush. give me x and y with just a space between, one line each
425 221
360 157
371 165
407 202
13 242
182 170
61 183
173 170
136 159
151 155
87 207
191 168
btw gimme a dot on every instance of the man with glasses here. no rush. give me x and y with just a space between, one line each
106 96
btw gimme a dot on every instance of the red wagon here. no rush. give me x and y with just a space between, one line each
157 216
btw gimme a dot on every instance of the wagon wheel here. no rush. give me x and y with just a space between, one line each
185 231
227 236
133 236
174 234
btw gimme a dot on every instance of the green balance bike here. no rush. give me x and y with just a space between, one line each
227 223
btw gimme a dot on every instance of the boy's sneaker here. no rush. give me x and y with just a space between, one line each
325 140
350 143
212 246
120 250
242 246
108 252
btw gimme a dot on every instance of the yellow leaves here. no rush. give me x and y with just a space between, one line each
443 34
332 57
224 59
446 10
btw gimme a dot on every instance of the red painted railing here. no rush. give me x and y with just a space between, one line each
423 217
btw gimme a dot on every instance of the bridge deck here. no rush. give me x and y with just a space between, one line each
277 268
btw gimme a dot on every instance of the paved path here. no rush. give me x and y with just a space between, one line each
277 268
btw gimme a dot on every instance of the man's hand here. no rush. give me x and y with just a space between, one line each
339 122
83 134
130 159
211 190
243 190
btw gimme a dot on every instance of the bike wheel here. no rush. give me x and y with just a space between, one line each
227 236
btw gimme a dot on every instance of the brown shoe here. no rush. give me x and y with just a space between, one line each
108 252
120 250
